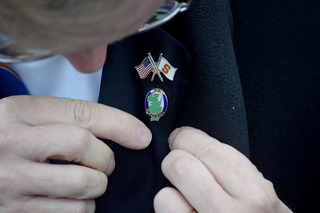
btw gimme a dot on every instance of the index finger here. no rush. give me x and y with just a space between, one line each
232 170
102 121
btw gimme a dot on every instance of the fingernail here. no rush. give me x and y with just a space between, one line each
144 135
111 166
172 136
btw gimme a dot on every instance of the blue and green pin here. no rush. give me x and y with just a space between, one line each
156 104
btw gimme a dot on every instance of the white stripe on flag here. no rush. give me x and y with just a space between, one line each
144 71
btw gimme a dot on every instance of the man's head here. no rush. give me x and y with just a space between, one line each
69 24
78 28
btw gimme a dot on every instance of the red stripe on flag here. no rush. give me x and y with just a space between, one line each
144 71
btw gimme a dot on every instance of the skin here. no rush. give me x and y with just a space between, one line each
88 60
212 177
208 176
36 130
60 129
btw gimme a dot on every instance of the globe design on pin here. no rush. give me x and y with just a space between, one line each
156 104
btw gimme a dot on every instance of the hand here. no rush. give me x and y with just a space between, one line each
212 177
35 130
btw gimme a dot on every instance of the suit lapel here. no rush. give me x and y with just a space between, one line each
121 87
215 101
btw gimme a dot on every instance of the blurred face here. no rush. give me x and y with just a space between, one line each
88 60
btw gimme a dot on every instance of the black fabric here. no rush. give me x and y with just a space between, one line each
310 199
277 44
206 94
138 177
273 48
215 101
277 52
256 64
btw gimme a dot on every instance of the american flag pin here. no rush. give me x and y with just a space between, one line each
161 66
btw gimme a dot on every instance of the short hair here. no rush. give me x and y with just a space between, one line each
60 25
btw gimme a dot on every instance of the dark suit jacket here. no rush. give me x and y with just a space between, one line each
211 53
247 75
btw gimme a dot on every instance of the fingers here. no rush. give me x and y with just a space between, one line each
61 181
170 200
232 170
65 142
194 181
34 130
49 205
214 177
103 121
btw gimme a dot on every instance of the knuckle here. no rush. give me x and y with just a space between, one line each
265 198
207 152
123 121
82 113
83 187
5 141
180 166
10 140
7 106
78 140
81 138
79 185
5 178
120 123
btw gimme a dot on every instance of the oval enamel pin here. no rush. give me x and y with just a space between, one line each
156 104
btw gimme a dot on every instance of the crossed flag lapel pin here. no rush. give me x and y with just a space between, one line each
161 66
